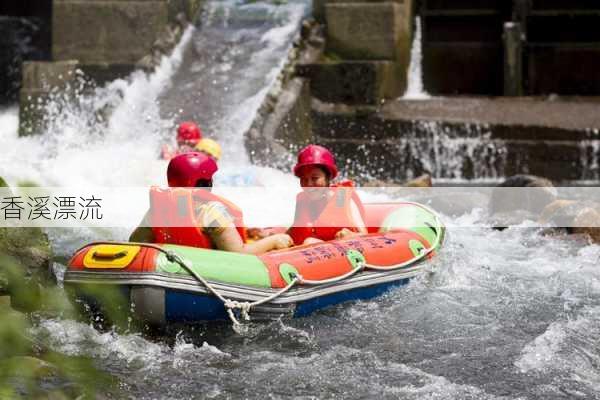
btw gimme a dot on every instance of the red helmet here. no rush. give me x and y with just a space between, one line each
186 169
188 132
316 155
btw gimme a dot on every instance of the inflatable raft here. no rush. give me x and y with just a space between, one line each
168 283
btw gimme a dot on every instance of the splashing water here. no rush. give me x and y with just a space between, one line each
218 75
231 65
442 151
503 317
78 149
415 89
590 156
507 315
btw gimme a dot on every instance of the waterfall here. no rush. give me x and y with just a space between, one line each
415 90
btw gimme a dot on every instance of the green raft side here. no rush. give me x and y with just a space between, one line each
416 219
215 265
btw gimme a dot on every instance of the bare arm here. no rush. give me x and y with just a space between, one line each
229 239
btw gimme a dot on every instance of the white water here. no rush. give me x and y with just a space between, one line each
77 150
218 81
415 89
506 315
509 314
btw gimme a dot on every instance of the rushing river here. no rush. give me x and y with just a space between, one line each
507 314
510 314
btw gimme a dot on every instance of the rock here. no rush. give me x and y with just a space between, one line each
30 247
588 222
552 208
306 28
526 181
421 181
25 265
506 200
563 213
577 217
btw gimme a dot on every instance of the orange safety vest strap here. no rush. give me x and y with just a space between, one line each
336 215
349 183
172 218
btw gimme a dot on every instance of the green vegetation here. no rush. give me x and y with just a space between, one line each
28 367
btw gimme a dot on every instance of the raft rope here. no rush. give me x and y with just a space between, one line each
244 307
230 305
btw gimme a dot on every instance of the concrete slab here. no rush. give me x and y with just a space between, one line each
570 114
369 31
96 32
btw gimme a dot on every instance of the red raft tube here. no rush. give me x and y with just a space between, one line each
166 284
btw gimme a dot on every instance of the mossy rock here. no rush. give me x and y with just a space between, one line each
30 247
26 251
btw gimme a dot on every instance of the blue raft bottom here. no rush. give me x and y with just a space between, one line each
189 307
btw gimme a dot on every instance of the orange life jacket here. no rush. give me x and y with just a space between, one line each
175 207
336 215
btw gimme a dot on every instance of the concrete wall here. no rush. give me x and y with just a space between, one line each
25 33
111 32
367 51
107 39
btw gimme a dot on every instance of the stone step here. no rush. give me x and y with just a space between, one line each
463 138
354 82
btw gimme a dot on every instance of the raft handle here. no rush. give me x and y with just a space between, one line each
109 256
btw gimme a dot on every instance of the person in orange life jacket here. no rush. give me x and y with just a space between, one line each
316 207
188 136
216 217
212 148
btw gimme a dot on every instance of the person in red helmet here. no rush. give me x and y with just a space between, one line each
324 214
188 136
197 217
